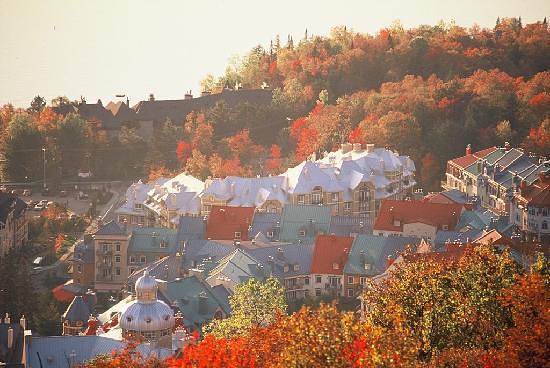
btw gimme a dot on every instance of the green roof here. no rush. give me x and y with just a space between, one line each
375 250
153 241
185 293
493 156
309 218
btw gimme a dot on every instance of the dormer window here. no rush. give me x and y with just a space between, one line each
396 223
163 243
238 235
269 234
301 199
138 206
302 233
335 266
445 227
296 267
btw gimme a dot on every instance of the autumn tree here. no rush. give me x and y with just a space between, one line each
253 304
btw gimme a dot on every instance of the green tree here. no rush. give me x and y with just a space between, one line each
164 144
37 104
22 148
71 141
254 304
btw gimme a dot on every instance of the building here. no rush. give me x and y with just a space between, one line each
147 245
13 335
14 227
173 198
146 316
330 254
75 318
530 209
304 222
371 255
416 218
132 211
83 262
492 175
229 223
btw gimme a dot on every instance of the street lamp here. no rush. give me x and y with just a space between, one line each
44 160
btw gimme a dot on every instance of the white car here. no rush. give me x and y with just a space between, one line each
39 207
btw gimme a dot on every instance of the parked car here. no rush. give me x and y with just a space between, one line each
39 207
62 194
44 202
27 192
83 195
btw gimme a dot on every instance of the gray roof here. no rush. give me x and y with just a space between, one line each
148 240
264 223
456 196
15 354
309 218
441 237
55 351
111 228
78 310
185 293
347 225
239 267
300 254
191 227
168 269
197 251
84 251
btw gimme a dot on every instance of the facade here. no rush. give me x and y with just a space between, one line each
110 244
148 245
416 218
491 175
83 264
530 209
75 318
132 211
14 227
330 255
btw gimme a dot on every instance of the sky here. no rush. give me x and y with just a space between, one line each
101 48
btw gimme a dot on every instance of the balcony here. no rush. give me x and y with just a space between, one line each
333 286
296 286
101 252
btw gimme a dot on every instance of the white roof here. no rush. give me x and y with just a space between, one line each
247 192
136 193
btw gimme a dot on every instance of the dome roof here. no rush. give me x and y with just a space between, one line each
144 317
146 288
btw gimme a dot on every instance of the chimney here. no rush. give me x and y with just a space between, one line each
127 101
369 147
7 319
389 261
507 146
280 253
188 95
362 258
203 303
357 147
23 322
10 338
125 225
468 150
151 97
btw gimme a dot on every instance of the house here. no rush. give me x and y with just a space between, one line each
229 223
147 245
82 262
304 222
416 218
169 199
197 301
530 209
330 254
371 255
236 268
291 264
75 318
110 244
267 224
457 176
14 226
132 211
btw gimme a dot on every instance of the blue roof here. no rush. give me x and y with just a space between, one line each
347 225
481 220
311 219
111 228
204 254
54 351
264 223
78 310
191 227
185 294
290 255
456 196
374 251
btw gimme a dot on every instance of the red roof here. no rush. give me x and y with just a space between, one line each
538 193
224 222
330 254
394 214
467 160
437 198
62 295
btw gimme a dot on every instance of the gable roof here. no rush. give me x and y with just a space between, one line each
191 227
263 223
111 228
177 110
538 193
224 221
185 294
239 267
149 240
78 310
467 160
122 113
373 250
347 225
309 218
330 250
296 256
393 214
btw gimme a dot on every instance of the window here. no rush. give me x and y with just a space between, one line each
316 198
142 259
117 247
545 212
238 235
79 268
544 225
335 266
362 280
350 279
132 270
302 233
132 259
138 206
117 271
297 267
334 197
162 243
445 227
306 280
301 199
347 206
350 293
317 279
317 292
270 234
117 259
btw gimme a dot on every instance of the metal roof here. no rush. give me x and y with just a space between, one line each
309 218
